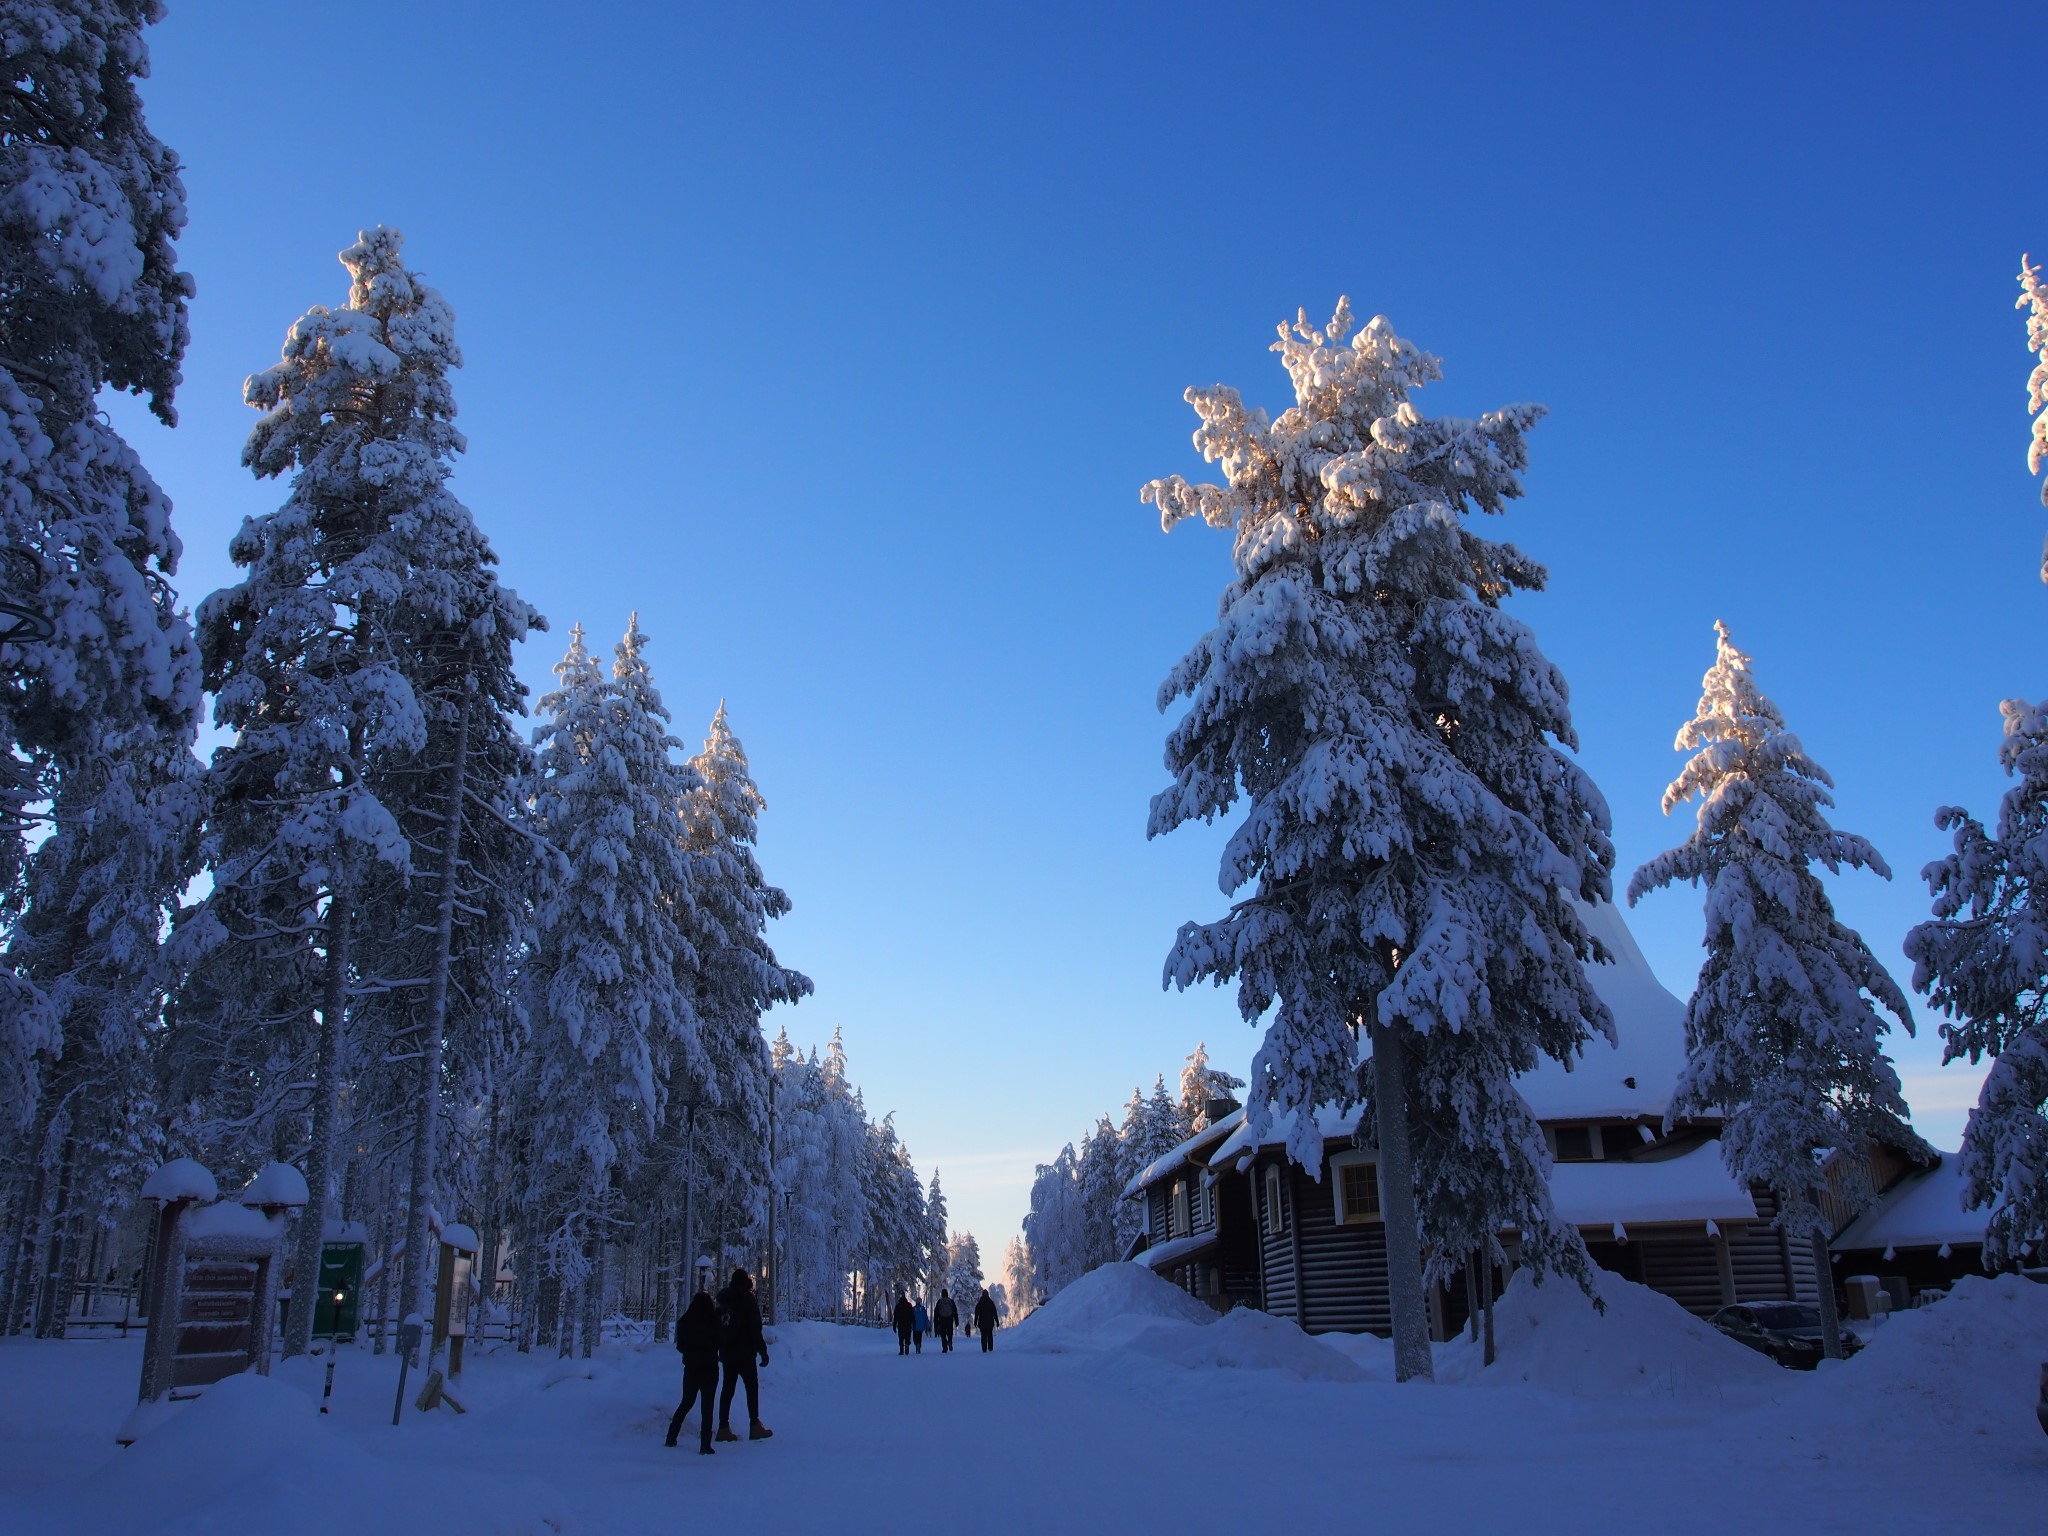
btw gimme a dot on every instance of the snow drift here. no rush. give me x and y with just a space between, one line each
1106 1308
1962 1373
1246 1340
1548 1335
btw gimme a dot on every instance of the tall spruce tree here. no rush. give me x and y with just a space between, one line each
99 676
1982 959
1783 1032
1415 837
333 663
610 1026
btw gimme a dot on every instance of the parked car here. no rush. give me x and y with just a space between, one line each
1787 1331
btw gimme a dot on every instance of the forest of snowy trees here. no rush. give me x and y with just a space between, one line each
451 965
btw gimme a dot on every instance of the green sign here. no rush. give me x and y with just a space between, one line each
340 1307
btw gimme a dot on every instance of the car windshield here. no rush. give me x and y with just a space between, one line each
1787 1314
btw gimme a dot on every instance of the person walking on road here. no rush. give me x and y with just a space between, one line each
741 1343
985 1320
697 1343
920 1325
905 1317
945 1317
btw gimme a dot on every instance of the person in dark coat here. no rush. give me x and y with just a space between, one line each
905 1317
985 1320
945 1317
697 1343
740 1344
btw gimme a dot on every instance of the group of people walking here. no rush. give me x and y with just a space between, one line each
913 1322
721 1331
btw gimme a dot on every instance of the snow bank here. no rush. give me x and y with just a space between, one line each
1245 1340
1550 1336
1105 1308
1962 1373
239 1458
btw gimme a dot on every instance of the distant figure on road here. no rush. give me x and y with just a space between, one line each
920 1325
946 1317
985 1320
697 1343
906 1318
741 1343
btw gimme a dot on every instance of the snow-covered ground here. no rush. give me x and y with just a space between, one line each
1120 1407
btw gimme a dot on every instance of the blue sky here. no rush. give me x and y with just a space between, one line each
838 341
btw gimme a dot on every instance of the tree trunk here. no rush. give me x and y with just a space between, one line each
417 1287
593 1297
389 1250
1397 1207
298 1329
53 1293
1824 1283
1487 1359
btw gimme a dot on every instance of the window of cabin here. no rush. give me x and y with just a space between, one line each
1276 1213
1574 1144
1355 1185
1182 1226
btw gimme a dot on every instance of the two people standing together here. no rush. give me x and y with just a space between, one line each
725 1331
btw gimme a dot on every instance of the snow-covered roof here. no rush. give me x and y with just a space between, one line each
1164 1255
1167 1162
1693 1186
1632 1078
1922 1210
276 1184
181 1179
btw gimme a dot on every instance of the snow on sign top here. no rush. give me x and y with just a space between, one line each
276 1184
181 1179
459 1236
230 1221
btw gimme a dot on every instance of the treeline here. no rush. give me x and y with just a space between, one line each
448 964
1078 1217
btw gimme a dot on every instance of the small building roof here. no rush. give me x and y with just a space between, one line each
1923 1210
1168 1162
1693 1186
1166 1255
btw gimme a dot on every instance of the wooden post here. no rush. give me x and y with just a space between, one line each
1724 1265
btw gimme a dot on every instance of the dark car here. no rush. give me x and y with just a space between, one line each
1787 1331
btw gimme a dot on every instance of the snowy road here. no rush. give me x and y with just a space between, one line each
1152 1425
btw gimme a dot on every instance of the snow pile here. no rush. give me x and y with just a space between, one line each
1245 1340
239 1457
1550 1336
1107 1307
1965 1371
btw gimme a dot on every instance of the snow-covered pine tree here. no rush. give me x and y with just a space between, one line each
610 1026
2034 300
963 1269
1983 957
368 626
1101 1179
99 680
1202 1085
1017 1281
1416 837
1054 1226
1783 1032
735 978
1130 1142
935 1235
1165 1129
